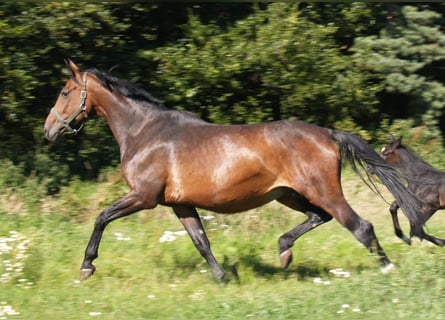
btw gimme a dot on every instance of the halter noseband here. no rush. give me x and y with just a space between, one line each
82 108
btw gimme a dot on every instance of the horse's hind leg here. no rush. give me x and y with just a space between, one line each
364 232
399 233
436 241
192 223
338 208
427 213
316 217
395 220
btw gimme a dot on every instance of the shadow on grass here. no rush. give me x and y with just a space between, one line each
301 271
261 269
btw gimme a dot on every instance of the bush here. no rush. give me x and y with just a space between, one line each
11 176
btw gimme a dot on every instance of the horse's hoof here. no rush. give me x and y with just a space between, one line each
86 273
387 269
286 258
224 281
407 240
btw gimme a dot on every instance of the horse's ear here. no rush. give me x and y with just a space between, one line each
392 138
72 67
395 143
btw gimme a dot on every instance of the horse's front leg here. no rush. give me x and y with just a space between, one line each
192 223
123 207
395 220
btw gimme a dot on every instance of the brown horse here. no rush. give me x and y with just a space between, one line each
175 159
425 181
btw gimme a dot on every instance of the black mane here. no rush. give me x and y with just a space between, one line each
125 88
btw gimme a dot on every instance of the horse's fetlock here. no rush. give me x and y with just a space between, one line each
285 243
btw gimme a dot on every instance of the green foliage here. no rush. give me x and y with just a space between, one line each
23 192
403 56
140 278
227 62
274 64
11 176
35 38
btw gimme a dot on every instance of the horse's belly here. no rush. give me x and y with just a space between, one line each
242 180
232 200
239 205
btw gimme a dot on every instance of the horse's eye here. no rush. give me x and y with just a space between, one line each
64 93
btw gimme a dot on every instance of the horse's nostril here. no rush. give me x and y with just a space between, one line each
49 135
45 129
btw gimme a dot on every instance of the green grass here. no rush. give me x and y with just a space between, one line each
141 278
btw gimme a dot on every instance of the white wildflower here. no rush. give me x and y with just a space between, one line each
13 248
340 311
120 237
339 272
320 281
170 236
6 310
197 295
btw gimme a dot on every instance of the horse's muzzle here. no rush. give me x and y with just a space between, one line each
52 132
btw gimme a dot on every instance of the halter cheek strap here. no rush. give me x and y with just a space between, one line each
82 108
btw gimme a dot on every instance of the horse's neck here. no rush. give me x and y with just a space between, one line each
123 116
410 169
409 174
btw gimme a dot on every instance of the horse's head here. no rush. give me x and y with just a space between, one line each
71 108
390 152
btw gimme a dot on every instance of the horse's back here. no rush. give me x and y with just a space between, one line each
275 145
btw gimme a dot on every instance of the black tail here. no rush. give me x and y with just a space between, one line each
356 150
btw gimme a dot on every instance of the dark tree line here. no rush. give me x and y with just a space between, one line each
368 68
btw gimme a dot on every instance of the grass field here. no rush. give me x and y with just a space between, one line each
148 270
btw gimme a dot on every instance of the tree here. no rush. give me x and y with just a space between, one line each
273 64
227 62
35 38
403 56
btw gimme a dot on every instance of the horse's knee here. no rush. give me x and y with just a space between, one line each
101 222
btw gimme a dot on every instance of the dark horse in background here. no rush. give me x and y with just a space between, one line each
425 181
175 159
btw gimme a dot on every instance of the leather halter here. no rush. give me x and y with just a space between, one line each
82 108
